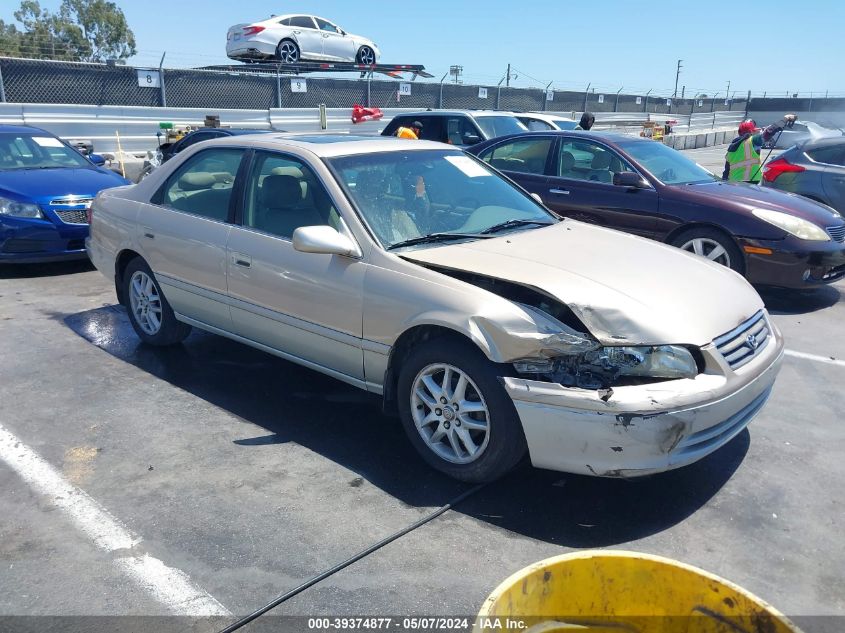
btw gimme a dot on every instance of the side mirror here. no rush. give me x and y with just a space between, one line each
471 139
629 179
97 159
537 197
323 240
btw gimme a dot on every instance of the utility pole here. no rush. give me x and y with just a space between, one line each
508 77
728 91
677 73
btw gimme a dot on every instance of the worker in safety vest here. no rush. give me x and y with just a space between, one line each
742 160
411 132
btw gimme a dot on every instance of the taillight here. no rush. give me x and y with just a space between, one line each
779 166
253 30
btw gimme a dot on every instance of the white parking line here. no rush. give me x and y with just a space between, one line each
818 359
171 587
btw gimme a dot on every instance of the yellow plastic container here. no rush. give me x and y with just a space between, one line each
607 591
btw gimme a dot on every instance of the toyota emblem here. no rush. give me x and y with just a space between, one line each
751 340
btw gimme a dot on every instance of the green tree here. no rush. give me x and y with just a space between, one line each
81 30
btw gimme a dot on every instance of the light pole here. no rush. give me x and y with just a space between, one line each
677 73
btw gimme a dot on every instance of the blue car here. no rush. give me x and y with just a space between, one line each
46 187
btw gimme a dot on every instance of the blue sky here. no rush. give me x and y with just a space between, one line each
610 44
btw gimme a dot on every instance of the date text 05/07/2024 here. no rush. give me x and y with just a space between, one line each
445 624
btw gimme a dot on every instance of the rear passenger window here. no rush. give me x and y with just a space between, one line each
829 155
283 194
203 185
302 21
527 157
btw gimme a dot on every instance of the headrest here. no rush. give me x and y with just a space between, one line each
294 171
196 180
601 160
281 191
567 161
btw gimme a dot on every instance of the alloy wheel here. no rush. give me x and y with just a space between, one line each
450 413
711 249
145 302
367 56
288 52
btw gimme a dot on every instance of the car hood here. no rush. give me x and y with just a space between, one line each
625 289
42 185
744 197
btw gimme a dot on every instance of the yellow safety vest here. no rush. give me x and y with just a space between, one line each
406 132
744 162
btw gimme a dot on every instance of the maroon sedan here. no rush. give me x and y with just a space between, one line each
645 188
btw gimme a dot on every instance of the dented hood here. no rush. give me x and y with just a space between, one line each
625 289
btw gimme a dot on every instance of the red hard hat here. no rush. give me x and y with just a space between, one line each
747 127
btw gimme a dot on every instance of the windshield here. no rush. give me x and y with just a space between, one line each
494 126
563 124
25 151
408 194
669 166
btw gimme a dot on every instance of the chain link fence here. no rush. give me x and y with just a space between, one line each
40 81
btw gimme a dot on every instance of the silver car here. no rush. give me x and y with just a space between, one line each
294 38
412 270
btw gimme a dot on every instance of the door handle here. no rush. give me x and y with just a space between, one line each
239 259
564 192
148 233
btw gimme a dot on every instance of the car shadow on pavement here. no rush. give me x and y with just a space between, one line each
50 269
782 301
346 425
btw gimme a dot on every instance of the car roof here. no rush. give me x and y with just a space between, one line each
22 129
545 116
823 141
232 131
607 137
331 145
472 113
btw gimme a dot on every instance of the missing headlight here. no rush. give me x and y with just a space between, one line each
612 366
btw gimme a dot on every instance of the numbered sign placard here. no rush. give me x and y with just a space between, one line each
639 100
668 102
149 78
601 98
298 85
482 93
550 95
405 90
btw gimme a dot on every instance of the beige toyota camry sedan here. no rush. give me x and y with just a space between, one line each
414 271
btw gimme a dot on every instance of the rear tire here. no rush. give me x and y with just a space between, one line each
712 244
149 312
288 52
470 430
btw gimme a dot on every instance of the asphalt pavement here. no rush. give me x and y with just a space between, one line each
209 478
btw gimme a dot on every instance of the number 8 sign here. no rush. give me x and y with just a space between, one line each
149 78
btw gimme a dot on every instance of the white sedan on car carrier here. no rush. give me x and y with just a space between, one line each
294 38
412 270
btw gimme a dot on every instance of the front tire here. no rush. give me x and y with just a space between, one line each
149 312
457 414
366 56
288 52
712 244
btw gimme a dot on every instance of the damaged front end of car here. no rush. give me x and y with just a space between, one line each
575 359
593 407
